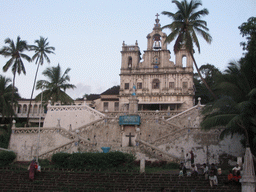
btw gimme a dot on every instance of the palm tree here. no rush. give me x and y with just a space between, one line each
55 88
15 52
6 109
235 110
41 50
185 26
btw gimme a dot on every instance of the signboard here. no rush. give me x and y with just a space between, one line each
129 120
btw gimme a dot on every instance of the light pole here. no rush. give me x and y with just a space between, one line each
39 128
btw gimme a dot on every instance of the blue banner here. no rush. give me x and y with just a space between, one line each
129 120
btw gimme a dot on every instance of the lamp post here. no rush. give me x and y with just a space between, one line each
38 143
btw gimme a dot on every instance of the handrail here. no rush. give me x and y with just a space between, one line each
55 149
161 154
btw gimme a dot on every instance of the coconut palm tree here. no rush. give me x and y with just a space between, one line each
185 26
55 88
235 110
15 53
6 109
41 49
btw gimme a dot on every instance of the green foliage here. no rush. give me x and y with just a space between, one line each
171 165
6 157
44 162
93 160
5 136
235 110
61 159
56 85
210 73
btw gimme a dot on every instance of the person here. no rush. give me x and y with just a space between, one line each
183 169
237 177
206 171
213 167
32 169
213 178
194 171
236 168
192 157
230 178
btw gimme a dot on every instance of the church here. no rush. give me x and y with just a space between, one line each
151 115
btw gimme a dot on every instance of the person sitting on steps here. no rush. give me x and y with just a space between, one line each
183 169
194 170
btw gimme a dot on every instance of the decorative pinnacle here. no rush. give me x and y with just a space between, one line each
157 25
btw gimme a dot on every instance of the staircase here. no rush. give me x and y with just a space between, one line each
15 179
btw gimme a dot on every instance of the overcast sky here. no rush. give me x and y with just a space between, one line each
88 35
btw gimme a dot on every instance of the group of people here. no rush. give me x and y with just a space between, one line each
234 175
211 173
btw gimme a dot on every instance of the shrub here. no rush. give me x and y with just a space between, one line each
6 157
61 159
5 136
93 160
44 162
171 165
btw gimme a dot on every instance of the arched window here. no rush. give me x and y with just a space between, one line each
24 108
155 84
184 61
130 62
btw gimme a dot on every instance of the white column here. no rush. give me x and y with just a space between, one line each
248 178
142 164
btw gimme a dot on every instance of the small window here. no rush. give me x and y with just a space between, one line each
129 62
155 84
185 85
105 106
126 86
139 85
116 106
171 85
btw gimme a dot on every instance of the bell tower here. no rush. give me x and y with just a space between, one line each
160 83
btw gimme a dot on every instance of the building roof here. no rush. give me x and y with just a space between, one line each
92 97
112 91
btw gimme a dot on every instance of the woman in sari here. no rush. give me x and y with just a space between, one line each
32 170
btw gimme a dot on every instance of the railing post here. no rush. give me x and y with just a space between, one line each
142 163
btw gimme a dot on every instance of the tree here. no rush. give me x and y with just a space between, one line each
235 109
15 53
55 88
6 109
41 50
210 73
185 26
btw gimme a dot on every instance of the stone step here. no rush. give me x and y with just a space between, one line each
86 181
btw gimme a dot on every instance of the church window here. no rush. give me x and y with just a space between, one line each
105 106
126 86
139 85
171 85
156 84
24 108
185 85
130 62
116 106
19 108
184 61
